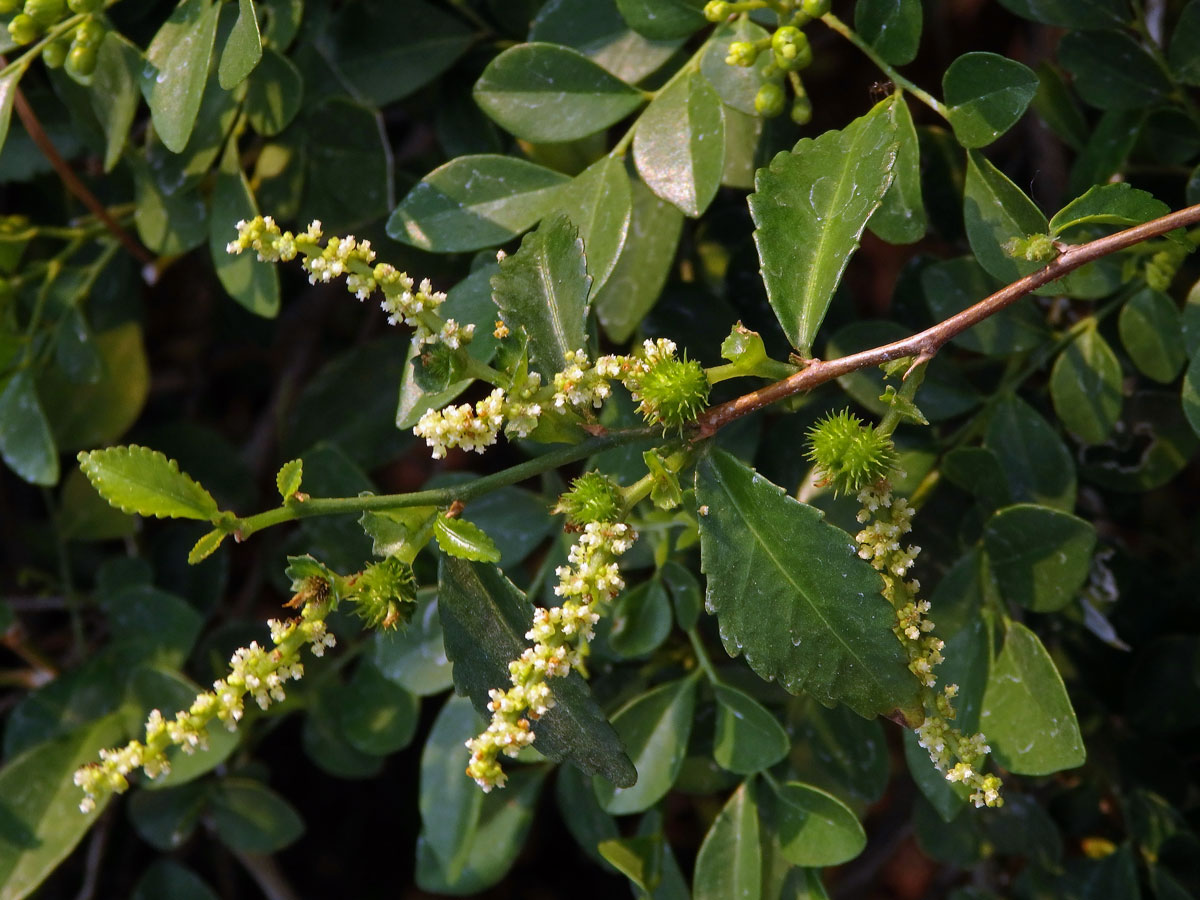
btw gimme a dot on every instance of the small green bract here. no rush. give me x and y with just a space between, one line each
848 454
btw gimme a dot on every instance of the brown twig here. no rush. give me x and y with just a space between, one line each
72 182
925 345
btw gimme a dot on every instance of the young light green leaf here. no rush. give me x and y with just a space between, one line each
484 619
26 443
1108 204
543 289
663 19
901 218
747 737
791 594
891 27
475 201
243 48
465 540
599 201
548 93
1085 386
995 211
654 729
1112 70
729 863
250 817
141 481
1151 332
1036 462
114 93
679 146
1027 715
815 828
735 85
987 94
288 478
177 69
206 546
252 284
1040 557
810 207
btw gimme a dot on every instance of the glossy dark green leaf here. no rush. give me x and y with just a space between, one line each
1072 13
1107 149
599 202
243 48
595 28
995 211
729 864
1184 52
839 751
735 85
274 94
818 596
646 260
891 27
1108 204
169 224
815 828
165 878
587 822
474 202
1040 557
685 594
547 93
901 217
978 471
641 620
176 70
347 138
26 443
1027 715
1112 70
485 618
747 738
253 284
1085 386
654 729
1036 463
114 93
1059 108
42 818
166 819
1151 332
986 94
810 207
952 285
543 289
250 817
378 716
679 146
663 19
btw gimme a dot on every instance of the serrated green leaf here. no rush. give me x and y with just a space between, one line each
141 481
901 217
679 145
462 539
250 817
288 478
986 94
1112 70
543 289
484 620
1152 333
891 27
663 19
548 93
26 443
729 863
810 207
1036 462
815 828
790 593
1040 557
747 737
1085 386
1027 715
206 546
176 70
243 48
599 201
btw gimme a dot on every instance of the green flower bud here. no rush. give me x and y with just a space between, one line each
792 50
848 454
673 393
89 33
23 29
54 54
717 10
742 53
815 8
85 6
386 593
802 110
45 12
8 7
594 497
81 61
769 100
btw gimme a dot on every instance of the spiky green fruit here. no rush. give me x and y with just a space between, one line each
848 454
594 497
673 393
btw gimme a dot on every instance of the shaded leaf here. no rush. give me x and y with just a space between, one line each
747 738
8 93
243 48
165 878
729 863
1184 52
1112 70
1036 463
901 217
640 620
995 211
891 27
114 93
595 28
176 70
950 286
1085 386
986 94
251 283
26 443
378 716
274 94
735 85
1072 13
663 19
1040 557
251 818
815 828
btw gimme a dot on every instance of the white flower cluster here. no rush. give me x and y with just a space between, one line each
580 385
255 670
956 755
589 581
471 428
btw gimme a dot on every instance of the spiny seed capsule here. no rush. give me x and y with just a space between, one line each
815 8
673 393
792 50
23 29
849 455
593 497
770 99
45 12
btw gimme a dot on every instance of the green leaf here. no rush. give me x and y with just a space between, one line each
901 218
986 94
729 863
815 828
485 618
347 138
891 27
685 594
449 801
83 515
206 546
547 93
810 207
1112 70
8 93
1027 715
462 539
1107 148
169 224
1108 204
642 268
1072 13
1040 557
679 145
779 578
114 93
599 202
1151 332
251 283
177 69
274 94
324 739
165 878
1059 108
474 202
42 818
735 85
1085 386
637 858
595 28
1184 52
1036 463
26 443
839 751
952 285
654 729
1191 392
995 211
167 818
414 658
378 716
141 481
243 48
249 817
287 479
640 620
543 290
747 737
663 19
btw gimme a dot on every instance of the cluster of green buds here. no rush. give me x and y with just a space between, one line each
560 635
76 49
788 45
